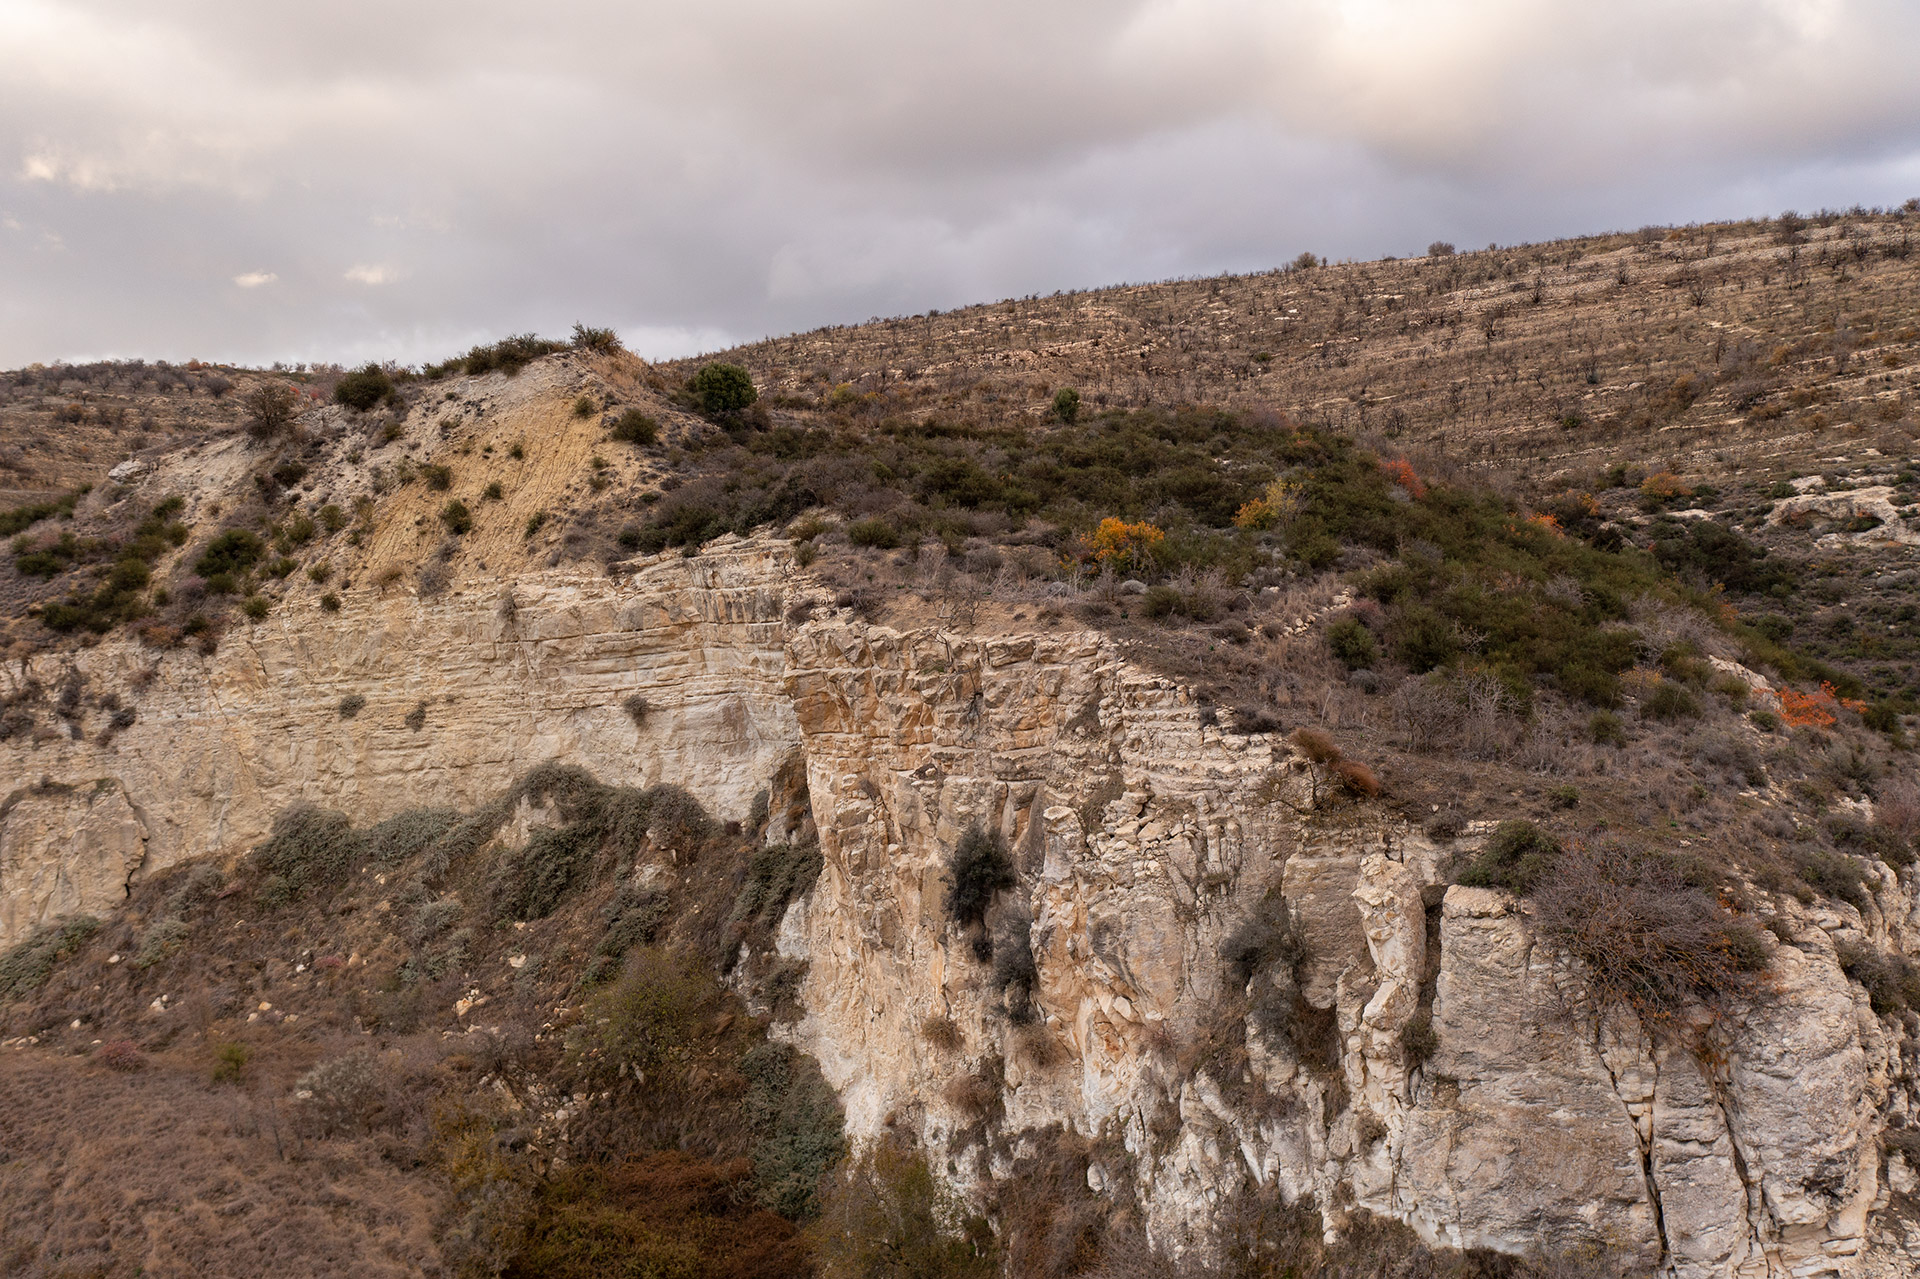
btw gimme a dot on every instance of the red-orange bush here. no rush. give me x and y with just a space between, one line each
1401 472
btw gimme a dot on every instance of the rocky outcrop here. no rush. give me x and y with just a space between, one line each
396 702
1422 1055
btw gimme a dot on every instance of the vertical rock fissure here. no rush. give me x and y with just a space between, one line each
1758 1222
1644 1142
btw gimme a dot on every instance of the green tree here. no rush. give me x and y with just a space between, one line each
365 387
723 388
1066 404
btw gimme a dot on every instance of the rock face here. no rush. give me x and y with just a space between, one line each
456 698
1428 1059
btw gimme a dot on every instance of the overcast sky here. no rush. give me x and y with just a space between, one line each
258 180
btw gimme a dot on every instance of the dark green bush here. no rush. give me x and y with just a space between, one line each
980 868
256 607
1352 644
723 389
1423 639
799 1132
1066 405
1516 857
1838 875
27 965
509 355
650 1019
310 849
407 834
457 517
21 518
886 1217
775 876
598 340
635 427
1669 700
232 552
873 532
365 387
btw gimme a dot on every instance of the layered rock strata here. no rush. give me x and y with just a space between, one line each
1142 838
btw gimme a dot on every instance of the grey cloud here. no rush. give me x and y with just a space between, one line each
420 176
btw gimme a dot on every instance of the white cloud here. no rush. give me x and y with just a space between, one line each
254 279
745 166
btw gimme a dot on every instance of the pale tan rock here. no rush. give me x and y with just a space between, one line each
65 852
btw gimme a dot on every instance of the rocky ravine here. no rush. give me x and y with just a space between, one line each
1143 838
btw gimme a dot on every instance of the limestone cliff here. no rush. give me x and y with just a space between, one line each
1143 840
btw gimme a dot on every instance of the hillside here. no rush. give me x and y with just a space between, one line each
1367 769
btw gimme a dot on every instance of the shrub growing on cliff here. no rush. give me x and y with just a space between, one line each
980 868
1649 932
1516 857
1265 938
310 848
888 1216
635 427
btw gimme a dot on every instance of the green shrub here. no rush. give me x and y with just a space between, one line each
20 518
799 1131
509 355
1669 700
635 427
230 1062
886 1216
1423 639
1838 875
651 1018
723 389
330 603
408 834
1066 405
365 387
775 876
231 553
456 517
1352 644
598 340
256 607
27 965
1606 729
583 406
874 533
333 517
310 849
980 867
493 492
1564 796
162 938
1517 855
1892 981
438 478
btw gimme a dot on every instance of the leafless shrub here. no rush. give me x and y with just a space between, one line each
1649 931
